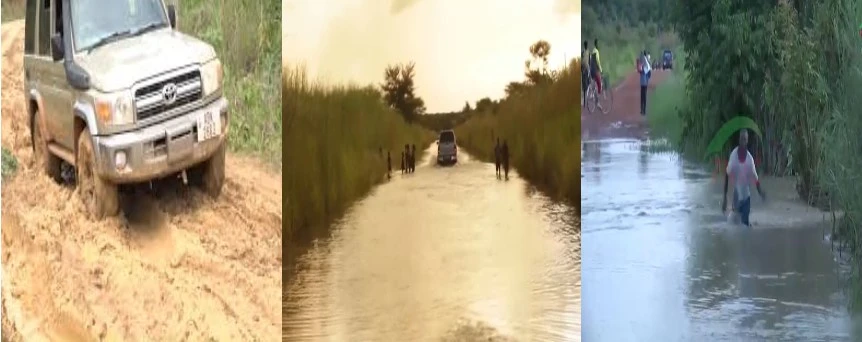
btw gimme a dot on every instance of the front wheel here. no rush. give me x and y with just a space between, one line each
591 97
607 97
99 195
210 174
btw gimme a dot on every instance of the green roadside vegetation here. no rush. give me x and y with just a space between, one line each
624 29
663 107
334 136
12 10
247 37
9 164
795 68
540 119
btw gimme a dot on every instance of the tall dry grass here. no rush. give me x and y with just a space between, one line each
333 139
542 127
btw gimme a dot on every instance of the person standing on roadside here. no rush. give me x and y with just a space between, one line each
497 156
645 71
505 154
388 164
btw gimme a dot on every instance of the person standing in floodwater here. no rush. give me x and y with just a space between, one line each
413 158
407 160
741 168
497 153
505 154
403 161
388 164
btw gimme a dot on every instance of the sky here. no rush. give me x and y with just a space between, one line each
464 50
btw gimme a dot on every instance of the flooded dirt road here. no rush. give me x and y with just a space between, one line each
446 253
662 263
176 265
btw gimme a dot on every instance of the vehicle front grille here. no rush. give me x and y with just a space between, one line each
150 101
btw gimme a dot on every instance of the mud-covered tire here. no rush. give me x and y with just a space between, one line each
209 175
43 160
100 196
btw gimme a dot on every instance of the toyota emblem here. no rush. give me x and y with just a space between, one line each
169 93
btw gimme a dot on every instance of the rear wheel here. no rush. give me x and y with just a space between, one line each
99 195
42 158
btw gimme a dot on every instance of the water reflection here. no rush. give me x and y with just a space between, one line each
442 254
661 263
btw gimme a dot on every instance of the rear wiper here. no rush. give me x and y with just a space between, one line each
110 38
148 27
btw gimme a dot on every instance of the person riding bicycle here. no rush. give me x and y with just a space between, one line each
596 67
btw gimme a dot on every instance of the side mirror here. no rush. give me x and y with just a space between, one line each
57 51
172 16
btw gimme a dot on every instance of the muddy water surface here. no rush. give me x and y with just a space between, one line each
446 253
662 263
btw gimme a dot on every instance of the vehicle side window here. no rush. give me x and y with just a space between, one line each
45 29
30 27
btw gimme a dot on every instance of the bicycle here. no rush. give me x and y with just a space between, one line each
603 101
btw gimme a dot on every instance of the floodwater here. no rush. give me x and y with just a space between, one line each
445 253
662 263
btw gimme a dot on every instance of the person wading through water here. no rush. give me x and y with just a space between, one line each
497 157
741 168
505 154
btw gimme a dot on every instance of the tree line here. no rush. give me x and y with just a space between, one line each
399 90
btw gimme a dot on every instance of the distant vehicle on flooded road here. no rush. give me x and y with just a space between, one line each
447 148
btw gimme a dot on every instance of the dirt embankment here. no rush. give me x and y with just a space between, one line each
624 119
175 265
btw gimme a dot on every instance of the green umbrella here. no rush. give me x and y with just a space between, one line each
727 130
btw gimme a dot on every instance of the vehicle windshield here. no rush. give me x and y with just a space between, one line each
98 22
667 54
447 137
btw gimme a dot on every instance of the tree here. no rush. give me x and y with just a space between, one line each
540 51
484 105
467 108
399 91
515 88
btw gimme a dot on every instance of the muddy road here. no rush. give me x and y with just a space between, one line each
663 263
175 265
624 119
443 254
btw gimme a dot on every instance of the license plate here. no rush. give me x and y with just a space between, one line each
209 125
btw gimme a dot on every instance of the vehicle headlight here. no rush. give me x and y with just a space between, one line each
115 110
211 75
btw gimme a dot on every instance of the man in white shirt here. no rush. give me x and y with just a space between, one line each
741 168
